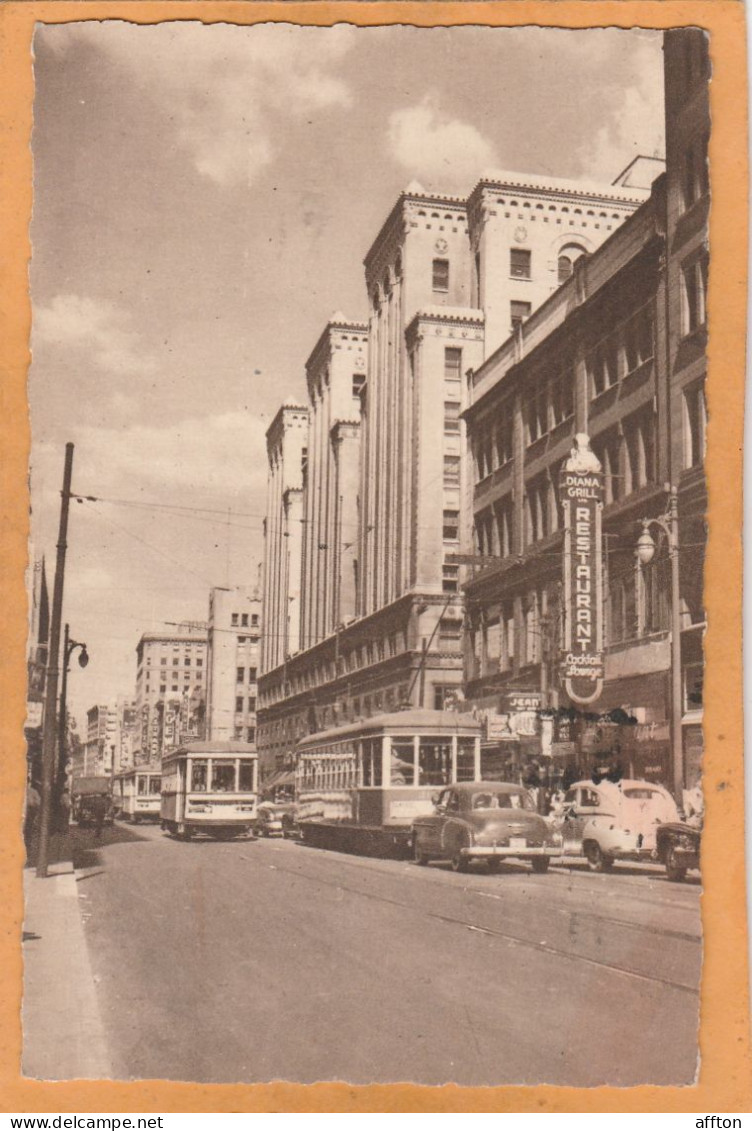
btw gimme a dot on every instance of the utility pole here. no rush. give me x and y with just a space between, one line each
53 661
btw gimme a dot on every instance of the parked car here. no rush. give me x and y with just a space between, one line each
484 820
276 819
614 821
677 846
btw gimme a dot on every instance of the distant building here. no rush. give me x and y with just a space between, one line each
98 755
287 452
170 694
232 660
36 657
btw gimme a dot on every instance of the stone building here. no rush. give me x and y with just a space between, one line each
232 660
286 448
618 353
435 262
170 690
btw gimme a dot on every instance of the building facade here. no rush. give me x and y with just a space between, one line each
232 662
336 374
617 353
426 274
170 691
287 452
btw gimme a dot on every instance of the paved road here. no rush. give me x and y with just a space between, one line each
262 960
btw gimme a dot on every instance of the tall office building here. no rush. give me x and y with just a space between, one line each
170 690
232 660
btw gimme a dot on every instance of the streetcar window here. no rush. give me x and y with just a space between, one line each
434 762
403 768
372 761
245 777
155 785
465 759
198 776
141 788
223 776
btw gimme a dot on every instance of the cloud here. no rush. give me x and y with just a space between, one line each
437 148
98 329
223 86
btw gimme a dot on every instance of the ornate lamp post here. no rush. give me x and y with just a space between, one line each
69 647
668 524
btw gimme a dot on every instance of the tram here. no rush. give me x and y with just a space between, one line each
136 795
359 787
210 787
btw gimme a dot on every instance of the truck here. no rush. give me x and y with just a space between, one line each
91 801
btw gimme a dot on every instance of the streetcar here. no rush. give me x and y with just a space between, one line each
211 788
136 795
359 787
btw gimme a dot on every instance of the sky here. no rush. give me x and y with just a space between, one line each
204 196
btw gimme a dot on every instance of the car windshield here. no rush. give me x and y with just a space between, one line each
642 794
493 800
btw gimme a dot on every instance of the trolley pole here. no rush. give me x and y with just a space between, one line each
53 661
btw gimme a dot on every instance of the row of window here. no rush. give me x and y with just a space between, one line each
622 352
176 661
241 620
520 261
240 704
241 673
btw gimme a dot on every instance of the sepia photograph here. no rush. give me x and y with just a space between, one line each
366 574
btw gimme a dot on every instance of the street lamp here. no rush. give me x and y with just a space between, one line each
645 549
69 647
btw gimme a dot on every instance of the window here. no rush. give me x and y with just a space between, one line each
694 288
450 578
442 693
234 619
175 661
638 340
199 662
451 471
450 633
244 620
251 703
640 451
251 675
162 688
440 275
536 511
503 516
434 762
537 411
603 366
562 397
242 639
358 384
198 776
695 424
452 363
568 256
693 687
607 449
240 675
519 311
694 182
519 263
250 734
223 776
503 437
187 661
238 703
451 529
163 661
245 776
451 417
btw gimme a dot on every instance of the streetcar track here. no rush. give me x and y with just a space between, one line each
515 940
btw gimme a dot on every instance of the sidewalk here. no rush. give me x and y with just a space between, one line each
62 1029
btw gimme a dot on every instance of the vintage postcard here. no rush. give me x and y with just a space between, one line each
377 376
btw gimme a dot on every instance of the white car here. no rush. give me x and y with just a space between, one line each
613 821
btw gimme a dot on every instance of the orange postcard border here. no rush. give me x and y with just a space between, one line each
725 1078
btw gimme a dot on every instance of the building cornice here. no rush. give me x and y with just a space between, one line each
324 348
394 224
276 429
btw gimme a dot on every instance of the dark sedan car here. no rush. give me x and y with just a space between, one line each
484 820
677 845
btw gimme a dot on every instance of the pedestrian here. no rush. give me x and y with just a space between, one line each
31 815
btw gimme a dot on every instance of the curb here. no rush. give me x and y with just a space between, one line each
63 1035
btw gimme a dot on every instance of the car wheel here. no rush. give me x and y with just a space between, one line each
419 855
540 864
460 863
597 859
493 864
674 870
